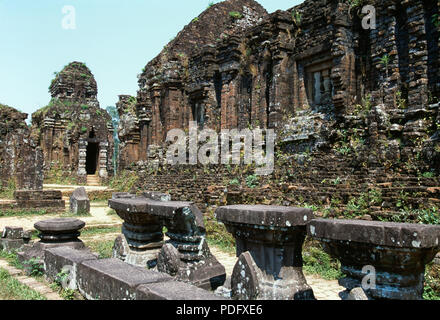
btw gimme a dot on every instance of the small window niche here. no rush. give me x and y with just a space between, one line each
198 111
319 86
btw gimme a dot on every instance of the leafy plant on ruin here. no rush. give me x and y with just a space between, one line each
212 3
316 261
297 19
428 216
385 61
124 181
252 181
7 191
34 267
216 233
235 15
400 102
428 174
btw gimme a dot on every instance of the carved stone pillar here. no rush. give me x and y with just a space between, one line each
395 254
269 246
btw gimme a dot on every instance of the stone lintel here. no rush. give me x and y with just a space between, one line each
400 235
148 206
262 215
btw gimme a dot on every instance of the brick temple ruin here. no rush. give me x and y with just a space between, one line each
355 110
75 134
21 159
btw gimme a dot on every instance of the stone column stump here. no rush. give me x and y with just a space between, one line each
186 255
269 243
53 233
385 259
142 232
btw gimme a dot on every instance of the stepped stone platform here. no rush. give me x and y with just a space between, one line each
50 200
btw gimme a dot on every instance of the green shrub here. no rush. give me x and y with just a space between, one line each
124 181
7 192
252 181
316 261
235 15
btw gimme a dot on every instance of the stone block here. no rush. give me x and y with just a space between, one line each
65 260
173 290
26 195
79 202
13 233
41 204
112 279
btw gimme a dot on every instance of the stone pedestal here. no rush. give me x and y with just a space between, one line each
142 233
387 260
186 255
54 233
269 243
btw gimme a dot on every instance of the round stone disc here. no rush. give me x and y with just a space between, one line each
61 225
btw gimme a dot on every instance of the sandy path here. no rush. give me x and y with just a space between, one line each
98 211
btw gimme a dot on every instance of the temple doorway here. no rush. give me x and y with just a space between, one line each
92 157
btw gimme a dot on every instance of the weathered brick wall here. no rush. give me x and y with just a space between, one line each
20 158
363 104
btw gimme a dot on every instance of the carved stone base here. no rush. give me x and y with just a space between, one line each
142 258
250 283
201 269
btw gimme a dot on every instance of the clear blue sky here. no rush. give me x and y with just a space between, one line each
115 38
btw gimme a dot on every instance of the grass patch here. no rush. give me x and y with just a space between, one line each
124 182
103 248
69 214
12 289
7 192
21 213
316 261
432 282
217 235
94 231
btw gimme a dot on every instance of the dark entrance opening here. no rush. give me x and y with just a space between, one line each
92 157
